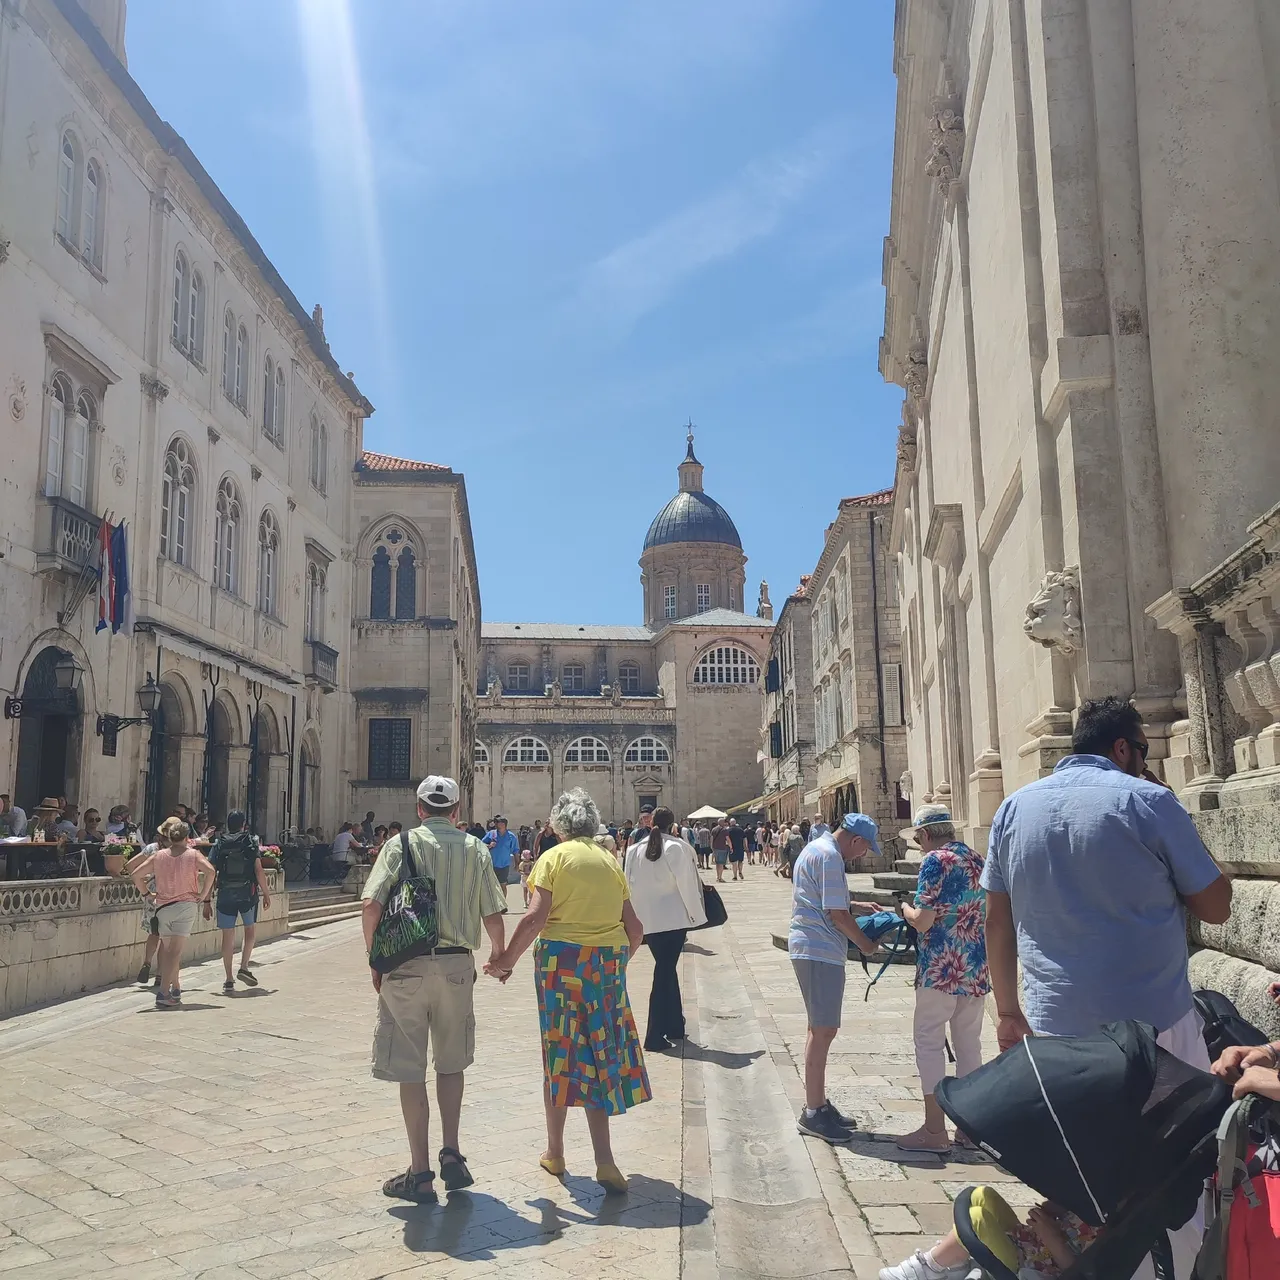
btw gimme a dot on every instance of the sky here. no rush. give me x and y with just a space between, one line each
546 235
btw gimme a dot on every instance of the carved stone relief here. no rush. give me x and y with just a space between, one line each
946 143
1053 616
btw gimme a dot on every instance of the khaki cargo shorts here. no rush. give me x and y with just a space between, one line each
427 998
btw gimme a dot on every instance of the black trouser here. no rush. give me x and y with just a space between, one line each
666 1013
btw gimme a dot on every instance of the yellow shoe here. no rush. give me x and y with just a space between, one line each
609 1176
554 1165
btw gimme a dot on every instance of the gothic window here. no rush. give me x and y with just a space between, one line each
380 585
68 190
67 458
573 677
181 300
242 358
92 222
726 664
319 455
281 416
647 750
406 585
668 602
177 491
586 751
229 355
704 597
270 422
268 564
481 753
629 677
226 537
317 588
389 749
526 751
518 675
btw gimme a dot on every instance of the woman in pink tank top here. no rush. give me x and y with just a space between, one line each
177 871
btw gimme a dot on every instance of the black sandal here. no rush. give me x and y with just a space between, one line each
453 1171
412 1186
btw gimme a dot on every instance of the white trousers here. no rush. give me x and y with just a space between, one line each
935 1012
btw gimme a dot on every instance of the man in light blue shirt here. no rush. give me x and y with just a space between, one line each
1089 875
822 926
504 846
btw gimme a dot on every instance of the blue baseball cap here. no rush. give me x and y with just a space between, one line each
859 824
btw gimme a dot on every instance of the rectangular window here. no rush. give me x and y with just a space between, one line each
668 602
629 677
704 597
891 682
573 678
389 750
518 675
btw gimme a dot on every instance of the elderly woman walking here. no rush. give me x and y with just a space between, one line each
667 895
949 914
585 926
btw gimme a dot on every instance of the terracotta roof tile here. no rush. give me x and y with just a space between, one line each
881 498
385 462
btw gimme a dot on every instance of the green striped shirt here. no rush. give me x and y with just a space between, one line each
466 887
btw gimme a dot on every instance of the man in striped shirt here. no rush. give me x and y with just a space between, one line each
431 996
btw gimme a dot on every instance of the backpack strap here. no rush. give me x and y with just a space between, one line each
1233 1137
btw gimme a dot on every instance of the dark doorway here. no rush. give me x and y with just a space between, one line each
308 784
48 735
219 762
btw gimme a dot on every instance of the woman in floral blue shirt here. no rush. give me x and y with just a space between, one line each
949 916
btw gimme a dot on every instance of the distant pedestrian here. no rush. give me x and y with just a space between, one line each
822 926
641 830
526 867
720 848
952 982
703 844
545 839
795 845
586 928
817 827
241 885
504 849
367 829
429 998
667 895
737 848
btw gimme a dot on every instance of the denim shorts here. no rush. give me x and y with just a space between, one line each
227 919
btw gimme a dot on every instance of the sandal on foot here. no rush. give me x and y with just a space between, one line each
412 1186
554 1165
453 1170
228 985
247 978
611 1178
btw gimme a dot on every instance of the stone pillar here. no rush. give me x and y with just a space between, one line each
237 777
191 748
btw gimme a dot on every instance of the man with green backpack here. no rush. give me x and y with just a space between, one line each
241 883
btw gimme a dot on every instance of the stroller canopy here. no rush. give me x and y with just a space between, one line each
1089 1121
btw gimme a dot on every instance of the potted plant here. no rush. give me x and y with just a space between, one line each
116 851
270 854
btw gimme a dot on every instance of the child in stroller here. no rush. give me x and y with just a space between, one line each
1116 1133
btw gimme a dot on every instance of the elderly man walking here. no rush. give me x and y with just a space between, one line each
430 997
822 926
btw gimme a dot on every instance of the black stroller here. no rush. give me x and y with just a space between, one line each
1109 1126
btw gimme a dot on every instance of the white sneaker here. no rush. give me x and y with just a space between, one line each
918 1267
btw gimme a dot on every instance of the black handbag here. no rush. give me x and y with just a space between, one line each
408 926
713 905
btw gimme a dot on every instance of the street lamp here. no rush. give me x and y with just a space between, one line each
109 725
68 673
149 696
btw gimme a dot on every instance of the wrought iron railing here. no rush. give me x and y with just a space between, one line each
324 662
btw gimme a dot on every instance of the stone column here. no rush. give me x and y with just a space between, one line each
237 777
191 766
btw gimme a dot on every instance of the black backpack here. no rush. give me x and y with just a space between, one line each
235 858
1223 1025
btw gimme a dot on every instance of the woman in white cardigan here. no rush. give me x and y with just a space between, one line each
666 894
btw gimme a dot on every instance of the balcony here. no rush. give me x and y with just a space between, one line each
324 665
73 539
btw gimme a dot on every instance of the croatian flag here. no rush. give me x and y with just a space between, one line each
121 597
106 585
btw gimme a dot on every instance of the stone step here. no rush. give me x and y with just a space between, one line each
321 915
891 880
907 866
320 898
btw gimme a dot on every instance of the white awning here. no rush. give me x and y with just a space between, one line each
224 662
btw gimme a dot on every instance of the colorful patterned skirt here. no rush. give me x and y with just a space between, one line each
590 1050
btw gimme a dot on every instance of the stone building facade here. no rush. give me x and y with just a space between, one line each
159 373
1083 289
856 657
667 713
787 741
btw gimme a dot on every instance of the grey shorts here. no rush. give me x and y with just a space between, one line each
822 986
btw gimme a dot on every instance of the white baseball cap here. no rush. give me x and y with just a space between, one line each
438 792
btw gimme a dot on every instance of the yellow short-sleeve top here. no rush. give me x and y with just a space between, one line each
587 891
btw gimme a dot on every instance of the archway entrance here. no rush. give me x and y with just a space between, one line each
48 735
308 785
219 761
164 760
264 742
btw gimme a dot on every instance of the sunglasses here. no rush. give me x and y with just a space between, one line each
1140 747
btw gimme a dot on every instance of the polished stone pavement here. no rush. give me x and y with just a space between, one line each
243 1136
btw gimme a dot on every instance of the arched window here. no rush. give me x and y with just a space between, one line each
229 355
481 753
268 563
380 585
586 751
282 416
91 237
406 586
317 586
269 399
726 664
319 454
226 538
181 300
526 751
242 356
647 751
67 460
629 677
68 220
176 492
195 319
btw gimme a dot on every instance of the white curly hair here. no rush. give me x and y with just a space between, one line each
575 815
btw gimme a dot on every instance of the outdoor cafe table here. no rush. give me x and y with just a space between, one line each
39 859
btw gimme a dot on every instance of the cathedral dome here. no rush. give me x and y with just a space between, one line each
692 517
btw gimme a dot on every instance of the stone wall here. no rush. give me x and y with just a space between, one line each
59 938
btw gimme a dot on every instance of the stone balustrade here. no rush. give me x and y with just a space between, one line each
61 937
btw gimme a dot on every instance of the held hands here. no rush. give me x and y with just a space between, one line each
495 967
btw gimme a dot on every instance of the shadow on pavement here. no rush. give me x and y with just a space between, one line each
720 1057
697 951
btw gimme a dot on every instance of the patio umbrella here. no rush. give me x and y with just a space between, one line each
707 811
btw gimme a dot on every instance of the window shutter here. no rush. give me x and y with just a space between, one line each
771 681
775 740
891 681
